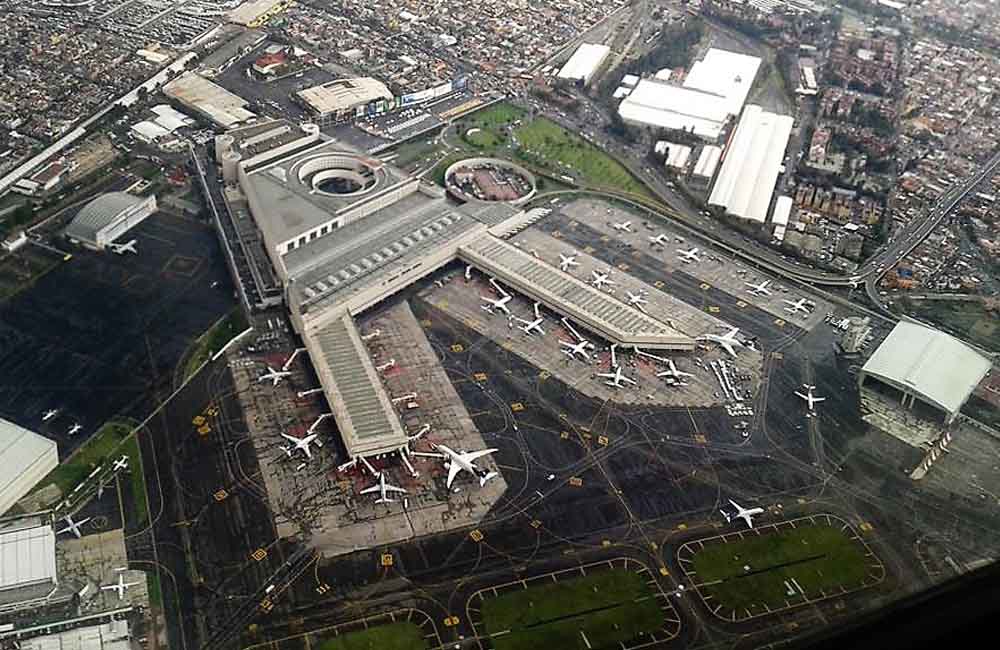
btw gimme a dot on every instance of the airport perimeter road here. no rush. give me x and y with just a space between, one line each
904 240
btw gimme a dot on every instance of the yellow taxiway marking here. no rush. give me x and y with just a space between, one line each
476 535
458 347
705 286
517 407
387 559
258 555
713 309
575 481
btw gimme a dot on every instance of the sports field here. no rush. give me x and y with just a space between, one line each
594 611
771 569
393 636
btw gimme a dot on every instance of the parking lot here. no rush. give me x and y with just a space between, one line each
91 336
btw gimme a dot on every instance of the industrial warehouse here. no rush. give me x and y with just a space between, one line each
108 217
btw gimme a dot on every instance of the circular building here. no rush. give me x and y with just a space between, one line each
488 180
108 217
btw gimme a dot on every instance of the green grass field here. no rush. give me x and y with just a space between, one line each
98 449
212 340
137 481
393 636
970 320
494 117
820 558
546 144
608 607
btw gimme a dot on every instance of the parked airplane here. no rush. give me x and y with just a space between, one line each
616 378
746 514
799 306
73 429
727 340
810 399
672 371
302 443
625 226
120 586
637 300
661 240
383 488
73 526
574 349
120 464
499 303
127 247
601 280
275 376
456 461
529 326
688 256
759 289
566 261
48 415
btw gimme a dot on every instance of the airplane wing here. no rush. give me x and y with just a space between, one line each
801 395
728 347
306 449
607 375
371 490
735 505
453 470
473 455
393 488
819 399
289 438
745 516
627 380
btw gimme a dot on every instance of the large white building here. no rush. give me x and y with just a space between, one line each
25 458
751 164
585 62
108 217
27 564
917 362
342 97
715 89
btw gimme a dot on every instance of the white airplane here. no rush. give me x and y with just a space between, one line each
688 256
456 461
120 586
799 306
127 247
532 325
383 490
625 226
616 378
601 280
746 514
499 303
727 340
73 526
48 415
302 443
637 300
566 261
810 399
661 240
275 376
120 464
672 371
759 289
573 349
73 429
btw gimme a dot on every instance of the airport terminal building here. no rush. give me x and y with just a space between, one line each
344 231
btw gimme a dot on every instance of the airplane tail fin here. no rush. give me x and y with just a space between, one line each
486 477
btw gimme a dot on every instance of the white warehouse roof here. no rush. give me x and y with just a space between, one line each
674 107
724 73
751 164
27 556
936 367
26 458
708 160
585 61
150 130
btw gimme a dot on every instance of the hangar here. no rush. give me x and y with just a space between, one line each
26 458
916 362
27 564
108 217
